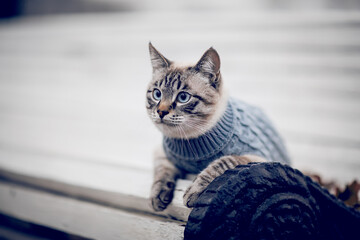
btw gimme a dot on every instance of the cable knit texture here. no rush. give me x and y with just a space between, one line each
243 129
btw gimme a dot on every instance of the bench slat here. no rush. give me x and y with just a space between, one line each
83 218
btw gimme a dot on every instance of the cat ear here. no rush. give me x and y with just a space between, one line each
158 61
209 63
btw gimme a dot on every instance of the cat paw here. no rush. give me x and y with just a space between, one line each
193 192
162 193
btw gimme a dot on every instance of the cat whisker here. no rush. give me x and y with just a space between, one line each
176 118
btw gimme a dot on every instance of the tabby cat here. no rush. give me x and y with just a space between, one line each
204 131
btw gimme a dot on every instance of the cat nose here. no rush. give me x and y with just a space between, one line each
162 114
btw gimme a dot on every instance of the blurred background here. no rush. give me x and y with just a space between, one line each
73 74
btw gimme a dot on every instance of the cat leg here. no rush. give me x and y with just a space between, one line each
215 169
165 175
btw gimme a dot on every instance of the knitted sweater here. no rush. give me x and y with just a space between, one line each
243 129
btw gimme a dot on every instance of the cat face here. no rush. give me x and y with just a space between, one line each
184 101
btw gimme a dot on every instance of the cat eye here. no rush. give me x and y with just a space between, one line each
157 94
183 97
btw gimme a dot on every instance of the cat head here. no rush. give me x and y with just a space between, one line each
185 101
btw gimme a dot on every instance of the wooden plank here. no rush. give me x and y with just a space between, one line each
179 19
82 140
300 41
83 218
121 186
331 162
244 31
339 44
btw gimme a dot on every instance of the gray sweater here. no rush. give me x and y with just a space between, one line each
243 129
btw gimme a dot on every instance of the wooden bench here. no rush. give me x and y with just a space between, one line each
75 141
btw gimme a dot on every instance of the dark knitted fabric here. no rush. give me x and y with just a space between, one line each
243 129
269 201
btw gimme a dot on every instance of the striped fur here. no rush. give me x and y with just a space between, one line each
215 169
202 81
165 175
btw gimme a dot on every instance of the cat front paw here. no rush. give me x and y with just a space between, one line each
193 192
162 193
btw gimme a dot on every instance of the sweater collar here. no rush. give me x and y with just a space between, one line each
205 145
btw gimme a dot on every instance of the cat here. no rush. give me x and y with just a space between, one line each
204 131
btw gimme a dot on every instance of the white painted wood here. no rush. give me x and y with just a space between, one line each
82 218
121 186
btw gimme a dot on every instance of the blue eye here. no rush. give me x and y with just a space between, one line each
183 97
157 94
